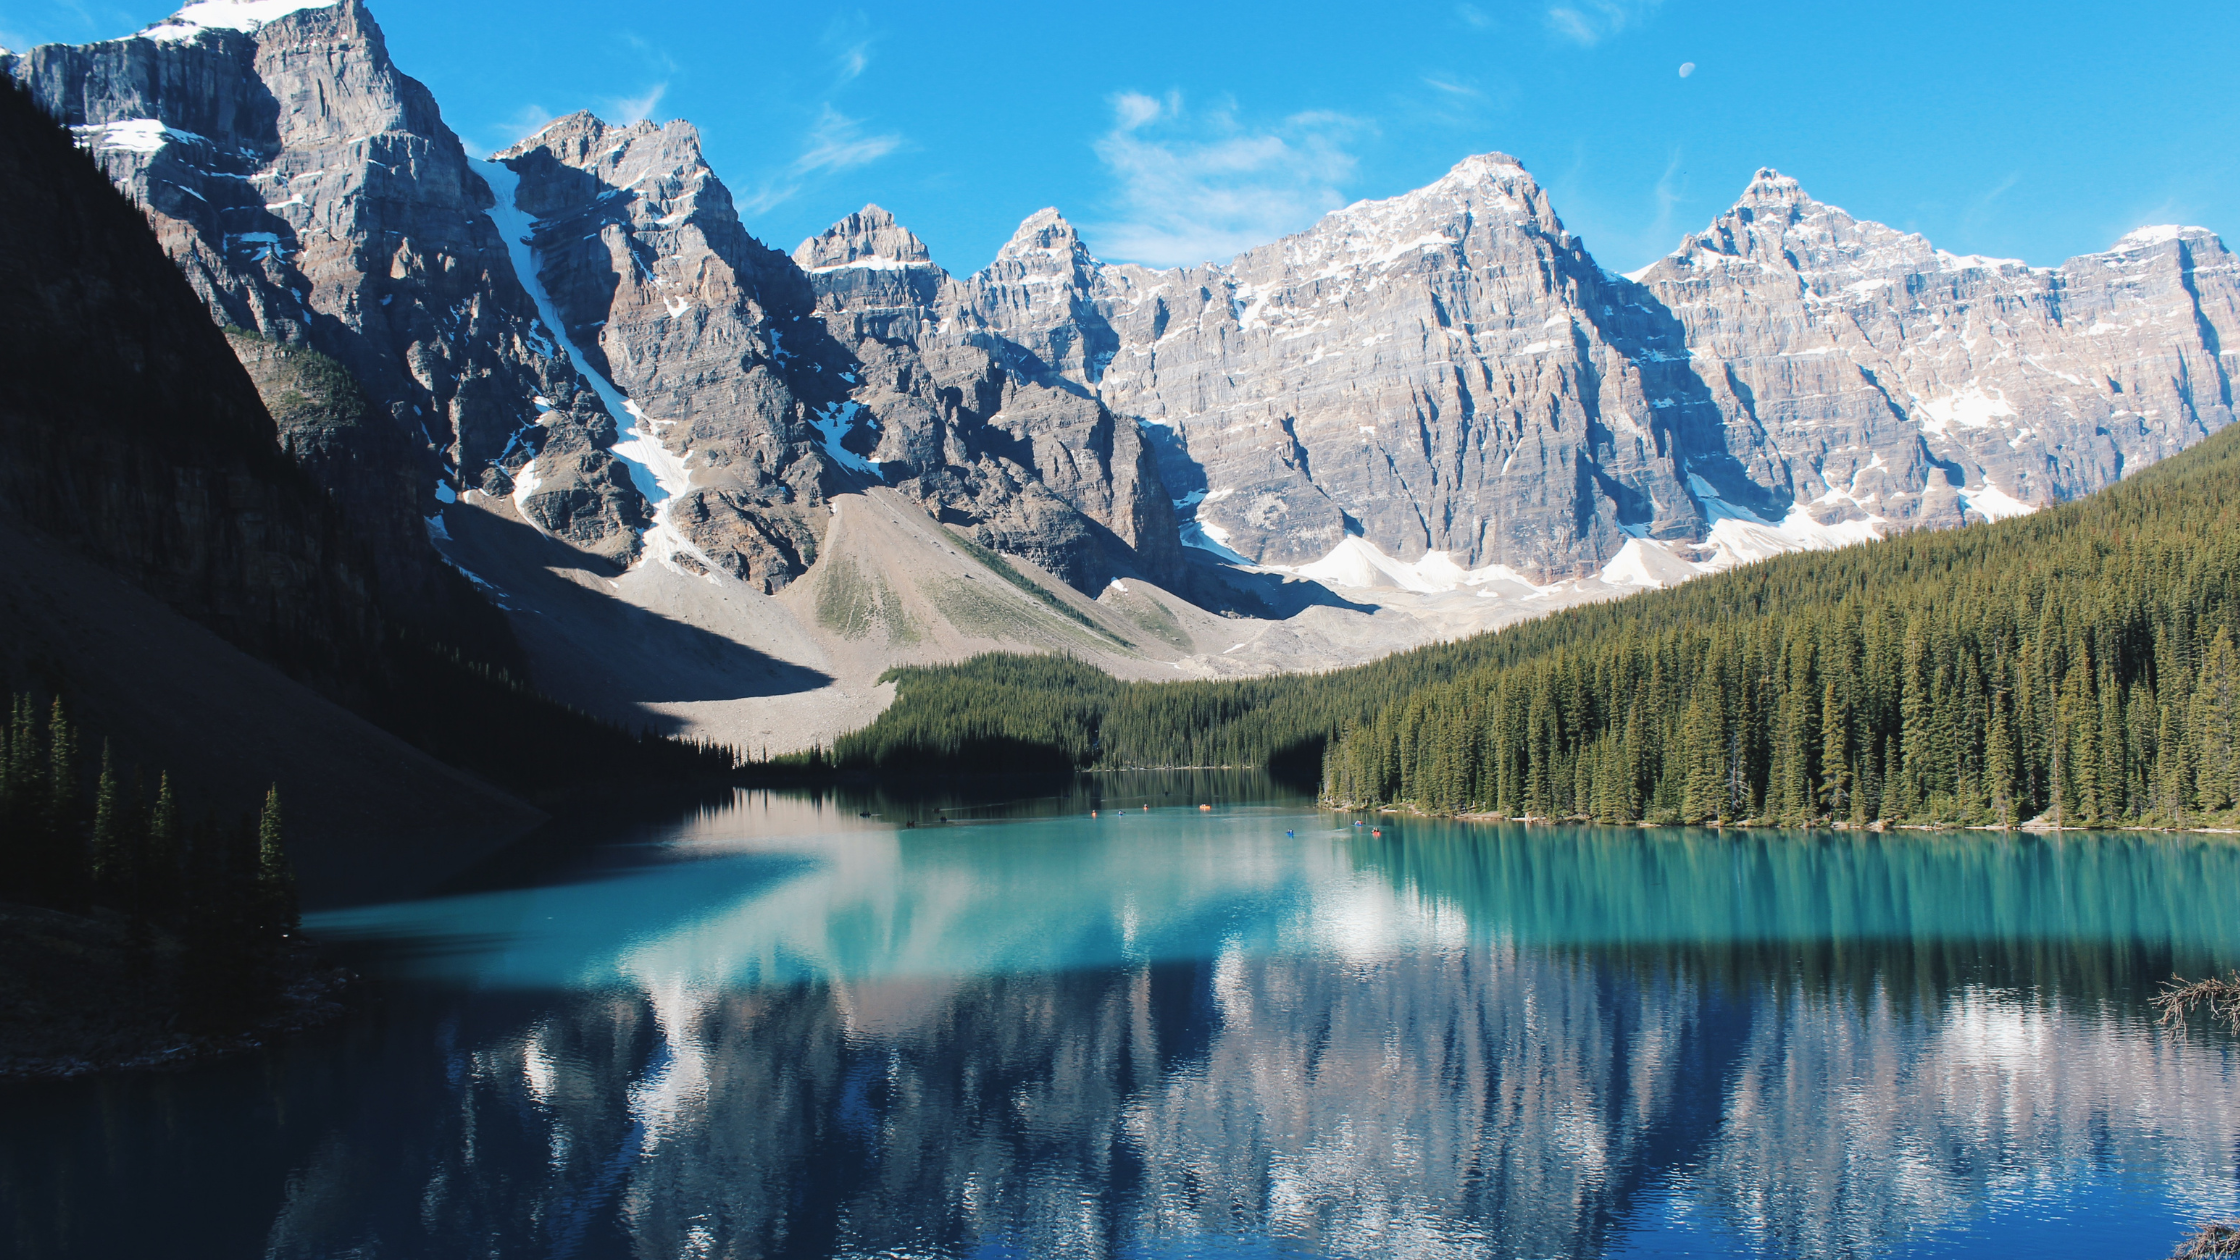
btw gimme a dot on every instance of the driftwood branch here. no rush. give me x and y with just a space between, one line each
2220 997
2177 1002
2221 1238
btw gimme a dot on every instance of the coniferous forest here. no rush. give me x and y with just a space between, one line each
2077 666
81 834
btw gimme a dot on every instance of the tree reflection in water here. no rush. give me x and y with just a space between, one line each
1053 1039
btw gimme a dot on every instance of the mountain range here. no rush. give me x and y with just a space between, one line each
720 488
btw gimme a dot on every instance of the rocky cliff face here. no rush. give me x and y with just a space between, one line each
1443 383
129 436
1449 371
759 385
683 318
984 430
313 195
582 326
1444 371
1889 380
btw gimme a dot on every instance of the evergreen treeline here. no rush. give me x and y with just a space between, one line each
2079 663
1002 712
482 719
78 838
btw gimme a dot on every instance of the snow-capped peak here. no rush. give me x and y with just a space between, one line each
1479 167
1045 233
1771 185
1949 261
2158 234
869 239
226 15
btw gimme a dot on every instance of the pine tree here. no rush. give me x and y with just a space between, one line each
163 864
112 865
2215 719
1835 753
276 879
1999 761
23 805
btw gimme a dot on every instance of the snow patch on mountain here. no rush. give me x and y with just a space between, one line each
1971 408
137 135
517 227
1208 537
832 423
2157 234
871 264
1992 503
659 473
225 15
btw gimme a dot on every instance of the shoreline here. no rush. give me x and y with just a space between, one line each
82 995
1877 828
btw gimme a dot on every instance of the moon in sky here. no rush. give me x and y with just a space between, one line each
1687 68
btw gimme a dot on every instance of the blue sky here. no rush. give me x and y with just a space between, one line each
1172 132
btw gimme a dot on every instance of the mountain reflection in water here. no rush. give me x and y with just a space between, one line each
791 1031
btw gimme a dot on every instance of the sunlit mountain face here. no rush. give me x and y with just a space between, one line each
783 1029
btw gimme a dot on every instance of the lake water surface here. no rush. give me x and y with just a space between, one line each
772 1026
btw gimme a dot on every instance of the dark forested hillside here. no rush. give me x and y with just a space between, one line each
138 460
2080 663
129 429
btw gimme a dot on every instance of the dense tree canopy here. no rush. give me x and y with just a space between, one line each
2080 663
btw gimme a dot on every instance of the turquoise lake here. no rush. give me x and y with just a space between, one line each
787 1025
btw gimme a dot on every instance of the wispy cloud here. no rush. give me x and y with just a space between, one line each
1980 207
1617 231
1474 17
1197 187
506 132
849 38
1589 22
1447 98
1670 192
655 57
838 143
835 142
637 109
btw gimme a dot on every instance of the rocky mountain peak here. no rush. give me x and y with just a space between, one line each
583 139
1480 168
660 163
576 133
2158 235
1776 224
1483 197
1771 187
868 238
1045 233
250 16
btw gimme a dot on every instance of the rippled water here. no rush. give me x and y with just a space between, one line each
779 1028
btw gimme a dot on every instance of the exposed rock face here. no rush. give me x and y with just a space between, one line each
312 194
1450 371
987 431
1445 377
665 295
763 385
128 430
1441 371
1892 378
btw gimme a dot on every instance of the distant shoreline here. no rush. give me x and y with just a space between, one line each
81 995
